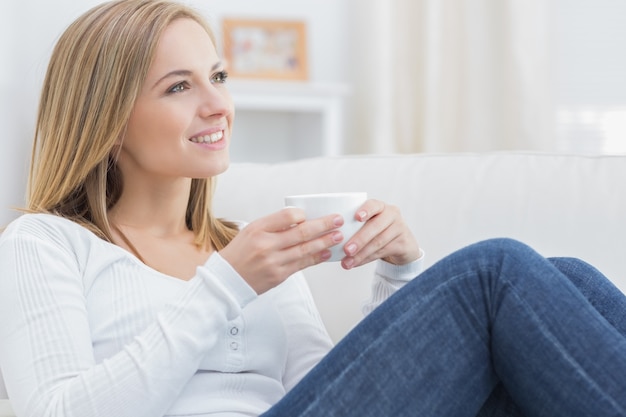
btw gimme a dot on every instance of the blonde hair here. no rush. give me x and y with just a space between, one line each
96 71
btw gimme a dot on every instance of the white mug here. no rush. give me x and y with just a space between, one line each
345 204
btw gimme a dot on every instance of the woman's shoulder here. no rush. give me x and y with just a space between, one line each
47 227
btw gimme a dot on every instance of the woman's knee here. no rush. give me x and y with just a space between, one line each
583 275
501 247
573 266
489 258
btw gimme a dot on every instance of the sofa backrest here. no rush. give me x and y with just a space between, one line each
563 205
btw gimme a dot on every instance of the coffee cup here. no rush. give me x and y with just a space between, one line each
344 204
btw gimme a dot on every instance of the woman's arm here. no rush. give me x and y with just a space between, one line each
389 278
307 339
46 352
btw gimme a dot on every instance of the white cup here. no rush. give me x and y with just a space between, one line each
318 205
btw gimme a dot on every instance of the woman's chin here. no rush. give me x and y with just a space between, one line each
216 168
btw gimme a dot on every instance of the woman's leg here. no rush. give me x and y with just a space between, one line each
599 291
494 312
500 404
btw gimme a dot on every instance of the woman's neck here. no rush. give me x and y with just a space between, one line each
158 209
149 221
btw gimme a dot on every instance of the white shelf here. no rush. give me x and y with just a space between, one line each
286 120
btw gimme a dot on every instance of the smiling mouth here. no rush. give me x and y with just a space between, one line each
212 138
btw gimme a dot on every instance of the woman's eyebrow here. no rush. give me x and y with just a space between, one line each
175 73
183 72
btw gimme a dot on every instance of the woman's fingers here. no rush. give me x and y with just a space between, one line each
379 247
313 248
384 235
377 218
290 226
371 208
274 247
308 230
283 219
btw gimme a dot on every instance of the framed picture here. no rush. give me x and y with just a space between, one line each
266 49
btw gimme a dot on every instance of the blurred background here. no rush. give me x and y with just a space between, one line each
382 76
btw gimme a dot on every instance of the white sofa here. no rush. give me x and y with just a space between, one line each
561 205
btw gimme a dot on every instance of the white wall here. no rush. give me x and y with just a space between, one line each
591 52
326 24
29 29
590 82
12 144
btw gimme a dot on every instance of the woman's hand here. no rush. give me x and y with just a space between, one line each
384 236
267 251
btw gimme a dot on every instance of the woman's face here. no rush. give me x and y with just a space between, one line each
181 122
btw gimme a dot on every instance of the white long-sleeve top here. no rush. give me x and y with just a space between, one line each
86 329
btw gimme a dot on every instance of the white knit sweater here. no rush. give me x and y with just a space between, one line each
86 329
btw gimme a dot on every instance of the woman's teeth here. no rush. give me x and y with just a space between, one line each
212 138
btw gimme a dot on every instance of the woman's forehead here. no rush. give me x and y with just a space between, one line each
184 46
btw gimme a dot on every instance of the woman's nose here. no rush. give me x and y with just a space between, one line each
216 101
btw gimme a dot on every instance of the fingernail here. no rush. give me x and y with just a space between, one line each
348 262
338 221
351 248
325 255
337 237
362 214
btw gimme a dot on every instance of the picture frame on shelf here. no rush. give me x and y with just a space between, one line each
265 49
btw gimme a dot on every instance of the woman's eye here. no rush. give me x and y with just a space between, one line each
178 88
220 77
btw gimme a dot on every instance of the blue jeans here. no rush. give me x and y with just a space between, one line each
491 330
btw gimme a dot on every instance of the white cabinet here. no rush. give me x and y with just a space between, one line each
281 121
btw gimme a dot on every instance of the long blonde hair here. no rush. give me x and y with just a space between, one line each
96 71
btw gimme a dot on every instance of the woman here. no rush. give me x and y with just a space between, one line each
121 295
